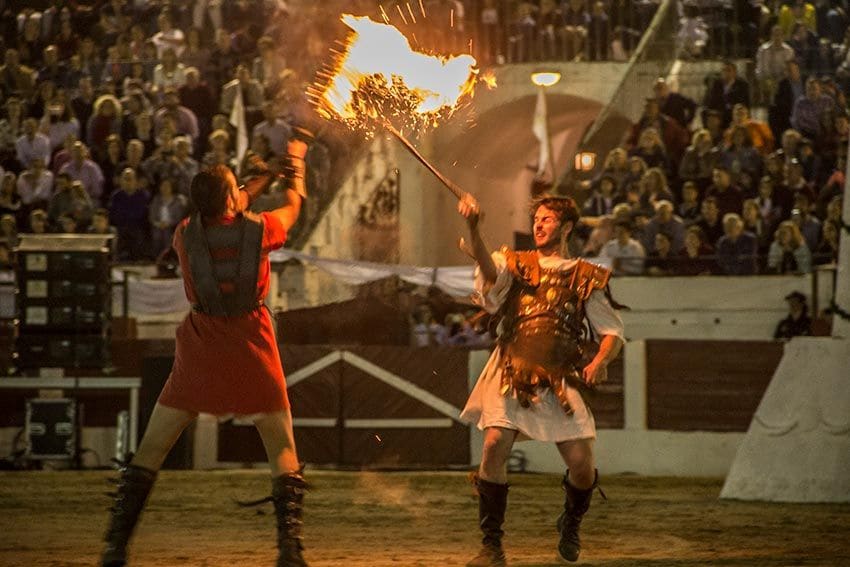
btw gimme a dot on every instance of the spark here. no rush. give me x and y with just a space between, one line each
410 11
384 15
401 13
422 9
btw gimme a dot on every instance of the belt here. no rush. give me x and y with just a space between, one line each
198 308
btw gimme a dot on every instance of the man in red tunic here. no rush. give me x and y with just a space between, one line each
226 359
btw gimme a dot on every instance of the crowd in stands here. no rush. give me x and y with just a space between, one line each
109 107
735 196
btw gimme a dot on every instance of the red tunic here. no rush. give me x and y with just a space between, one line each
228 365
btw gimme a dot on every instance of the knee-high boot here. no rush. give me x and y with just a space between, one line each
492 502
576 504
288 498
134 486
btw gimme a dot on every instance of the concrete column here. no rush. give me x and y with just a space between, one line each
840 326
634 386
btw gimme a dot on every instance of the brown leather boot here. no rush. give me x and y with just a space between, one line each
576 504
492 502
134 486
288 498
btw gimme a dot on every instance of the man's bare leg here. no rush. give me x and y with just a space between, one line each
288 485
498 443
578 487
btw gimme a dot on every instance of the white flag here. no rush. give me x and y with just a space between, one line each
540 127
237 120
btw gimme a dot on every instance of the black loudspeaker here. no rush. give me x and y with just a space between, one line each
155 371
51 429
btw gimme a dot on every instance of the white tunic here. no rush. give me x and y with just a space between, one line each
545 419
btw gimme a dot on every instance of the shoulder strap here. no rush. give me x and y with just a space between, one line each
201 266
524 265
587 277
250 247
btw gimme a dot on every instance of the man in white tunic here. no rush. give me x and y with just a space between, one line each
531 386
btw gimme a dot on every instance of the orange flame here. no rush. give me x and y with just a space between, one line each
379 75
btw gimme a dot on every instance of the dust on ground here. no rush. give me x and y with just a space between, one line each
378 519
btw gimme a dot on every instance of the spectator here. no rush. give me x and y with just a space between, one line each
220 152
771 62
727 91
275 129
77 205
689 207
83 104
827 250
759 132
673 136
88 60
11 128
637 167
727 196
602 200
8 231
661 261
426 332
626 254
66 41
653 188
269 64
111 165
677 106
10 201
167 209
797 12
204 8
128 212
599 33
713 122
84 170
185 121
698 163
182 167
32 144
651 149
144 133
195 55
67 224
223 60
694 258
252 92
53 70
197 96
135 161
710 222
805 46
38 222
834 187
692 36
104 121
788 252
168 73
755 224
668 223
616 165
795 182
168 36
810 110
809 225
35 185
16 79
742 160
59 122
797 323
737 250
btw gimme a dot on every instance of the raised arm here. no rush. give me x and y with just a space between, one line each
468 207
296 189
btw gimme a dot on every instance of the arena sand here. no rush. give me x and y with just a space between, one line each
376 519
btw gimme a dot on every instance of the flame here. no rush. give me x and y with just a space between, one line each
379 75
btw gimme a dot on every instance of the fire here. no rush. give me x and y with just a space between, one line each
379 76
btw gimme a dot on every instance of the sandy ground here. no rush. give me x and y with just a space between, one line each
412 519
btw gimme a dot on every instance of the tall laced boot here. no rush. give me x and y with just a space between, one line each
492 501
288 498
576 504
134 486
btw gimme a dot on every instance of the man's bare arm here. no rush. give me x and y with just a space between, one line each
596 371
468 207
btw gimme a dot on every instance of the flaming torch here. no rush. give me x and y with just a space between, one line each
379 81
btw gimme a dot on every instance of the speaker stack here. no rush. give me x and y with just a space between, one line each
64 301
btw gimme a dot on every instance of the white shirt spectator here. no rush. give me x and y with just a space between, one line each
173 38
163 78
29 149
58 131
277 132
631 256
88 173
33 190
771 59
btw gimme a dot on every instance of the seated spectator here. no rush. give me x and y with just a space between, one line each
67 224
16 79
128 212
182 168
795 182
35 185
195 54
725 92
100 225
269 62
797 323
598 33
651 149
661 261
220 152
10 200
699 160
184 119
602 200
677 106
811 110
760 135
135 161
576 20
809 225
144 132
689 208
694 258
728 197
58 123
38 222
741 159
654 188
805 46
71 199
425 331
274 128
667 222
713 122
11 128
827 250
737 251
84 170
197 96
811 163
9 230
788 252
168 73
616 165
674 137
797 12
755 224
626 254
223 60
167 209
32 144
